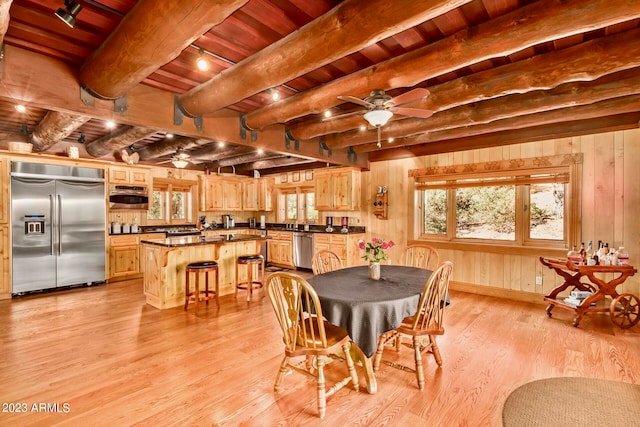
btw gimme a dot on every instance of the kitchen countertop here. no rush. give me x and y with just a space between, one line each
174 242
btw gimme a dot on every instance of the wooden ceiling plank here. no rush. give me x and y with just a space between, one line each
54 127
115 141
142 43
536 23
169 146
584 62
347 28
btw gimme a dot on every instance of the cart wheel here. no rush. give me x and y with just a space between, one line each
625 310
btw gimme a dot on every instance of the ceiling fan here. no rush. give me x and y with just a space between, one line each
381 107
180 159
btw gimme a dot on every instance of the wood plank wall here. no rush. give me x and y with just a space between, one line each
610 207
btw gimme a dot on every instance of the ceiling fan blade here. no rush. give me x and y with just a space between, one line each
355 100
413 112
340 116
412 95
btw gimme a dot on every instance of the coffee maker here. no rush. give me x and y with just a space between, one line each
228 221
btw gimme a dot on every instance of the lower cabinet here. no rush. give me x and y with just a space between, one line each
280 248
343 245
125 258
5 278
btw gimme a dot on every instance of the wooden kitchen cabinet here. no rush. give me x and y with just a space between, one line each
250 191
124 256
220 193
280 248
337 189
343 245
265 194
5 278
4 191
130 175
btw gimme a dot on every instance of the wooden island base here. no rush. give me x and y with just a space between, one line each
165 262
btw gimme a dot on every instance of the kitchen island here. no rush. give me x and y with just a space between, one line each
165 262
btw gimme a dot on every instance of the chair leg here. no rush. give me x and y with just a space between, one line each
197 292
249 282
218 288
187 291
378 357
419 367
322 400
435 350
281 372
346 348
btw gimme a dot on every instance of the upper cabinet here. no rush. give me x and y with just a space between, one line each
337 189
4 191
219 193
250 191
265 194
129 175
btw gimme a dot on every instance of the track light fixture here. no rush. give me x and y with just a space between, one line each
69 14
201 62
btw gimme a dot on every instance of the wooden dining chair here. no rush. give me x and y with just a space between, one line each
325 261
307 335
421 256
423 326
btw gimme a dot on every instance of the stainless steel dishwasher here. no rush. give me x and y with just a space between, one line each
302 249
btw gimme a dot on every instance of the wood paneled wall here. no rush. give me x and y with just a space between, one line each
610 207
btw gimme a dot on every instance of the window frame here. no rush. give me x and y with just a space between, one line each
300 192
522 173
168 186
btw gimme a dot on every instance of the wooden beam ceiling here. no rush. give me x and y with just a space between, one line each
542 21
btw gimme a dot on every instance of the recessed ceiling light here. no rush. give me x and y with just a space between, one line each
363 127
201 62
275 95
20 108
220 144
260 151
391 140
168 135
327 113
109 124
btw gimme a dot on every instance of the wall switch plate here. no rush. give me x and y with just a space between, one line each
538 280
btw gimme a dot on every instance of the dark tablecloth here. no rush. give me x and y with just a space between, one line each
368 308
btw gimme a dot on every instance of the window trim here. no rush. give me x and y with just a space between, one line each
561 168
169 185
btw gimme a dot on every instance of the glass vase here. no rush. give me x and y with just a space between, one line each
374 270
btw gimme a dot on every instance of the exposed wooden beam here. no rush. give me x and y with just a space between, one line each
55 126
262 165
5 5
614 106
511 106
534 24
117 140
247 158
514 136
169 146
6 137
583 62
347 28
152 34
51 84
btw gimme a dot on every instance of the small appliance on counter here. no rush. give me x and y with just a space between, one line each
345 224
252 223
329 222
262 221
228 221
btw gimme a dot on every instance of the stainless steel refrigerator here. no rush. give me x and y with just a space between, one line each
57 226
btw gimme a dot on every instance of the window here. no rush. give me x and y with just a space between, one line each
498 203
171 202
300 205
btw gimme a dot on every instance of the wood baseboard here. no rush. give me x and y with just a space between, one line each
497 292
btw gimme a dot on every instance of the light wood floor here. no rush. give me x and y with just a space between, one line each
107 359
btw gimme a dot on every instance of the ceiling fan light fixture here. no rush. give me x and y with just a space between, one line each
179 163
69 14
378 117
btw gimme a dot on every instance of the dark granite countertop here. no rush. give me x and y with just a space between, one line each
174 242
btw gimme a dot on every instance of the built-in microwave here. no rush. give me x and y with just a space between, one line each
128 197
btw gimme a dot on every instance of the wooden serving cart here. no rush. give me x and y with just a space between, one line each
624 309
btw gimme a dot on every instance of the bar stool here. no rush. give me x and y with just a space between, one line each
197 268
249 285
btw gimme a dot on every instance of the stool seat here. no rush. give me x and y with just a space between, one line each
250 258
195 295
203 264
250 284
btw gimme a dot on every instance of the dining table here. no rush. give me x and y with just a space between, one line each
367 308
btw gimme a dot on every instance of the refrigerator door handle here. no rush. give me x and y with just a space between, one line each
51 222
59 224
